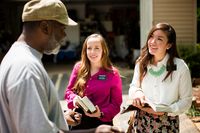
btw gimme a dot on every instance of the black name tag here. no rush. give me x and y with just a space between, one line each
102 77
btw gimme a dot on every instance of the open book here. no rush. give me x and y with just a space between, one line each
158 107
148 104
86 104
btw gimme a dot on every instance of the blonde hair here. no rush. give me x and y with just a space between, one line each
84 68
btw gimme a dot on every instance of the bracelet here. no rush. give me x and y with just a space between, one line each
101 115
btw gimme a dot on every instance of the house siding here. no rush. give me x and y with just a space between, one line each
181 14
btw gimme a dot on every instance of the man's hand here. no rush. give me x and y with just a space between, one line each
73 118
99 129
108 129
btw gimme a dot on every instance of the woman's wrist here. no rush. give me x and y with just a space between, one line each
101 115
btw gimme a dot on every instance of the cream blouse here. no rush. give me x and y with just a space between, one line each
175 92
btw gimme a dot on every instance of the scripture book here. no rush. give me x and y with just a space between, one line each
148 104
86 104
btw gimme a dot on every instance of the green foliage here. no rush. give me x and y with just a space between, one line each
191 55
198 14
193 111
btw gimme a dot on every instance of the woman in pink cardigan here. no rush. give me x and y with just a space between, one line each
95 77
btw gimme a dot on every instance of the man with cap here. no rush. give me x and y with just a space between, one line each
28 99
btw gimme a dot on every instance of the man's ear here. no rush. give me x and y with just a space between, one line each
45 27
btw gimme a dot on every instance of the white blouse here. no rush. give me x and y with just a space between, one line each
175 92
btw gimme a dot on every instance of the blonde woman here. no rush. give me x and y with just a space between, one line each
94 76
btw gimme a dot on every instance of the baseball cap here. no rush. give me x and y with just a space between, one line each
37 10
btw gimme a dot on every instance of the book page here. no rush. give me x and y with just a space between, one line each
148 104
89 104
81 104
157 107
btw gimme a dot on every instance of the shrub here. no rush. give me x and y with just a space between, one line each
191 55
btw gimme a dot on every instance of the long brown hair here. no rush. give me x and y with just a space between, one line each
84 70
146 57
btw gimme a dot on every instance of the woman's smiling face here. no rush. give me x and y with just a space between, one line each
94 50
158 44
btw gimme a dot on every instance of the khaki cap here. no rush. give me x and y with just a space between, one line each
37 10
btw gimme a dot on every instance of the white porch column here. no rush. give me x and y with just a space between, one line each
146 19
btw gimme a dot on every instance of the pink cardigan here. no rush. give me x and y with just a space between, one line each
103 89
